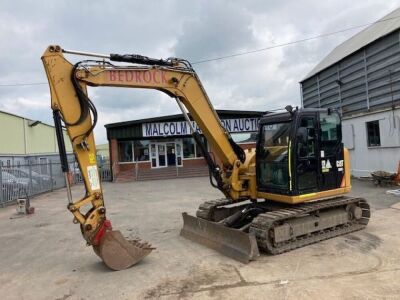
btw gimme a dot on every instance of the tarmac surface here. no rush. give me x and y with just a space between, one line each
43 256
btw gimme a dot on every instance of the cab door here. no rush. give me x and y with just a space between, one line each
331 151
306 156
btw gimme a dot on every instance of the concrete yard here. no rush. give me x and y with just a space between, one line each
43 256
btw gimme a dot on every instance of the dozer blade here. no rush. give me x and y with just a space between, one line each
231 242
119 253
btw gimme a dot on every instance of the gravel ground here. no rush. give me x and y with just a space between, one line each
42 256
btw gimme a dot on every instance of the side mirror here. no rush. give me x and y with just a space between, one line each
302 134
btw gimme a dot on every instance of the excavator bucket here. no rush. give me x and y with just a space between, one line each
231 242
119 253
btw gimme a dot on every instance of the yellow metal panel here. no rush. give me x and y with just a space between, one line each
347 171
305 197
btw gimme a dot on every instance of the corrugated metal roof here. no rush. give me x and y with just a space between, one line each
380 28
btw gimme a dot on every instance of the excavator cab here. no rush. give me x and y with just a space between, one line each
300 152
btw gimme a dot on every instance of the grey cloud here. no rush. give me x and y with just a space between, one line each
191 29
217 29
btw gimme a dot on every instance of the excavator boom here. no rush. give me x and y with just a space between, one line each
71 106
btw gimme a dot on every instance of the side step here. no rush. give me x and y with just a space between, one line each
231 242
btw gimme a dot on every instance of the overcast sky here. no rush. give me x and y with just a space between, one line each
194 30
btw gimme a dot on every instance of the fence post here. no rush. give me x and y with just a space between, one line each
51 175
30 189
1 182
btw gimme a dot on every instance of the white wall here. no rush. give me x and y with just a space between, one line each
364 159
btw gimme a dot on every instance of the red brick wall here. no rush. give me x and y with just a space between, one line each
114 157
123 167
126 167
118 168
194 162
144 165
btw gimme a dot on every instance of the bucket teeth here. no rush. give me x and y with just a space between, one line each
140 244
119 253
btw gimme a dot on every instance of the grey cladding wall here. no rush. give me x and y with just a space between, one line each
368 79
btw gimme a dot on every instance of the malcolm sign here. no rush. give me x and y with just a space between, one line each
182 127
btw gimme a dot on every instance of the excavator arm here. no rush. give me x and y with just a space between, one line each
70 104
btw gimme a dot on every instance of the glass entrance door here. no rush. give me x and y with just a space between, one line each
153 153
178 152
162 157
171 158
166 154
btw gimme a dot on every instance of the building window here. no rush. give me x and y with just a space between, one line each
373 134
191 149
188 148
198 150
125 151
141 150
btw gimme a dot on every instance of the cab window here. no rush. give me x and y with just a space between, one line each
331 132
273 166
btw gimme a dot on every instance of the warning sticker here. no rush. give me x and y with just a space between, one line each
339 163
92 158
323 166
328 164
93 175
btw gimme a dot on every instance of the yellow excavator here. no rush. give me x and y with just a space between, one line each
287 193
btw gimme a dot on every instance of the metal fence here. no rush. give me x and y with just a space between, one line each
19 181
104 172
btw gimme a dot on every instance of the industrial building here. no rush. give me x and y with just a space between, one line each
163 147
103 151
26 141
360 78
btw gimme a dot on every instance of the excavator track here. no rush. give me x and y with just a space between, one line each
282 227
275 230
207 209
